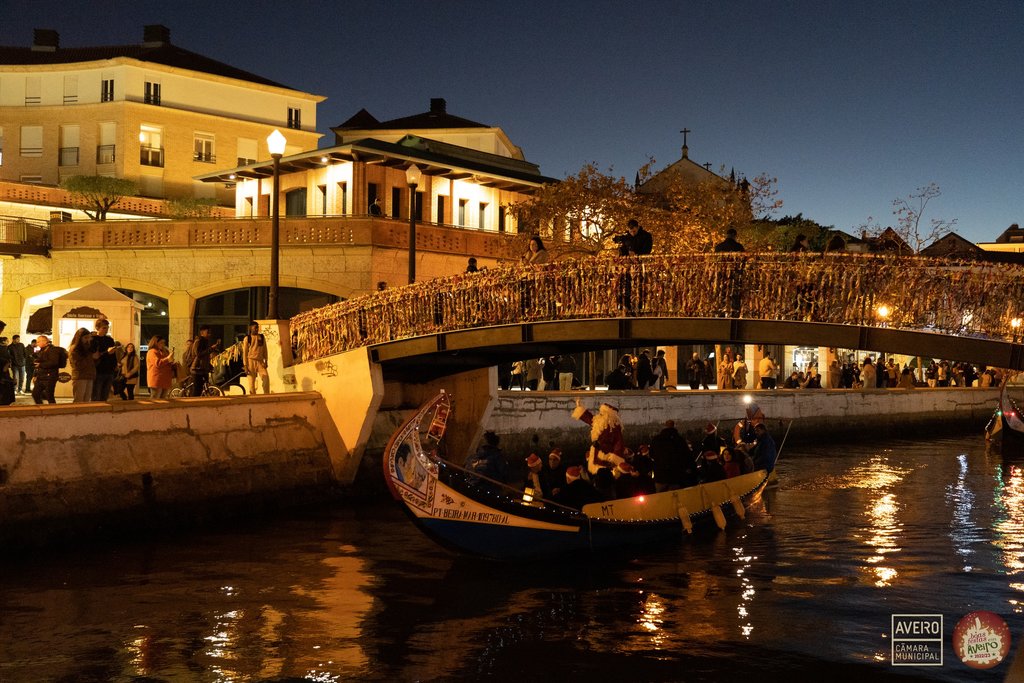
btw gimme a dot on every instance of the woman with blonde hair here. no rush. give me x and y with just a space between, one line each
159 368
83 365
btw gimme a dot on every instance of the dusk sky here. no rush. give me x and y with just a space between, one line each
849 105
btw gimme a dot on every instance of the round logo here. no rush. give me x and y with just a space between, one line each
981 639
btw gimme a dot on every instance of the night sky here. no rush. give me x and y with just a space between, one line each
849 105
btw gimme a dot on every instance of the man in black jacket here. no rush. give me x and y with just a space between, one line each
48 360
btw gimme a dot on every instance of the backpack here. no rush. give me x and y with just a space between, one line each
63 354
189 359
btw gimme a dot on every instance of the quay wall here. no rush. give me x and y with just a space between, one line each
76 467
531 420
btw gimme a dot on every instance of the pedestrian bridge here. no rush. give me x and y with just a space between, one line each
968 311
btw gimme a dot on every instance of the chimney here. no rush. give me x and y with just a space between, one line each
438 105
45 40
155 35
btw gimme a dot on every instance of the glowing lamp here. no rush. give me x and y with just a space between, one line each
276 143
1015 323
413 175
883 311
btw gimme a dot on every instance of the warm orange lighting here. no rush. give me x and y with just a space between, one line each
640 499
883 311
1015 323
276 142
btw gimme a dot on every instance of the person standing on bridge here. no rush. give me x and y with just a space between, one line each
729 243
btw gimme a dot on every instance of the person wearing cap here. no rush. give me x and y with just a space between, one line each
553 473
711 468
607 445
534 478
577 491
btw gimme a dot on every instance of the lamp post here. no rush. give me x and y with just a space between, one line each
412 176
275 143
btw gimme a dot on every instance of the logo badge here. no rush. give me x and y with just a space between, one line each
981 640
917 640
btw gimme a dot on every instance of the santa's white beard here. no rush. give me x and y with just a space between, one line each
603 422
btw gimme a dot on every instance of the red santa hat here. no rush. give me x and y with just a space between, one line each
557 452
624 468
533 461
572 474
609 406
710 428
644 449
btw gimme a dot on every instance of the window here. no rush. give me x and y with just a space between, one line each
482 216
31 141
323 198
295 202
372 190
107 90
68 146
152 95
343 198
440 208
419 206
36 179
462 212
70 89
202 148
501 218
294 118
396 202
105 150
151 146
246 151
33 90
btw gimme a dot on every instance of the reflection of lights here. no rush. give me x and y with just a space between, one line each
747 593
1009 527
652 617
963 531
884 527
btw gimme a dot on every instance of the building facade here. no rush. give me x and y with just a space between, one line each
151 112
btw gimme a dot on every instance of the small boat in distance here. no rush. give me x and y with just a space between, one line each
1006 428
469 513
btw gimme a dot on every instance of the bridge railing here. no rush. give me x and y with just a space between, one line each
951 297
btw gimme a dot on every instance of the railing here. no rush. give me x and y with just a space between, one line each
204 157
106 154
151 156
967 299
22 232
68 156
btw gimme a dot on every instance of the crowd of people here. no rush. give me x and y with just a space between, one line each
99 367
611 470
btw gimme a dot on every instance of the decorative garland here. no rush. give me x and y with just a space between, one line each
951 297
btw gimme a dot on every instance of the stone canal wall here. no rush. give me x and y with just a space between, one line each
532 420
79 466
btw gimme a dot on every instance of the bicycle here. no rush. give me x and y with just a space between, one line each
185 389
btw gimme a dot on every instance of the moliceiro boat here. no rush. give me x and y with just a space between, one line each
469 513
1006 427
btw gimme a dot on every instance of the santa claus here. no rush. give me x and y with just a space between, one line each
607 446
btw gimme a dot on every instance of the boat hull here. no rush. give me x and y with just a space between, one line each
469 514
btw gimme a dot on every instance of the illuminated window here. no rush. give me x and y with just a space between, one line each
151 146
202 148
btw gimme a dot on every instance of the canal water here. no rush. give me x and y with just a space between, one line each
804 589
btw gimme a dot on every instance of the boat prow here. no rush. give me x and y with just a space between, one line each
469 513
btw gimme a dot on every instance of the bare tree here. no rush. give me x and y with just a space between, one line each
909 212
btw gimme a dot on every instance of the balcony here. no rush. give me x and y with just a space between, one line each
20 236
151 156
205 157
68 156
105 154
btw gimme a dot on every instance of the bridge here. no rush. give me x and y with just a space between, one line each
969 311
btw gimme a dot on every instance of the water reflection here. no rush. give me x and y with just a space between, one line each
360 595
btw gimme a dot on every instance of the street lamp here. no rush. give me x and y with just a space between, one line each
1015 324
412 176
275 143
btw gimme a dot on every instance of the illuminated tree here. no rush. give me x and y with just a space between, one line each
95 194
